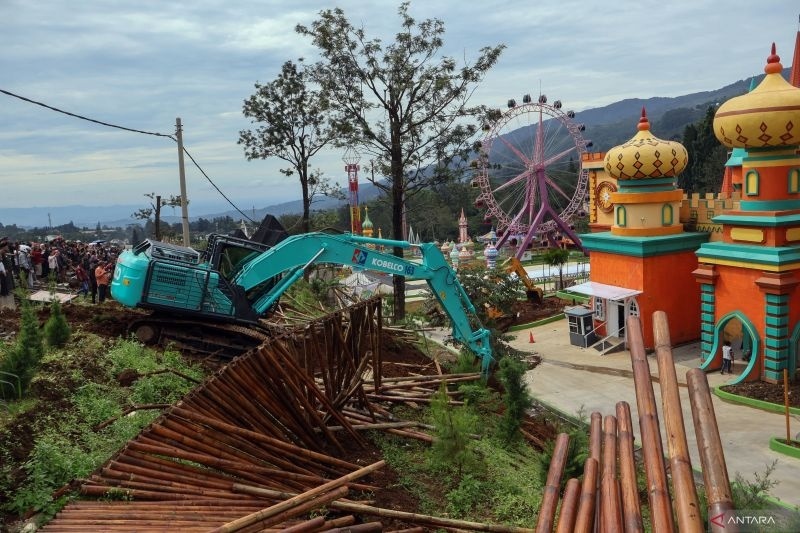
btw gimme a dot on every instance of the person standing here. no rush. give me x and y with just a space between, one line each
727 357
103 276
83 279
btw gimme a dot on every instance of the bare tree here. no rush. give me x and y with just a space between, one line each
156 203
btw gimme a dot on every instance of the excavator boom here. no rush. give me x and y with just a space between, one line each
238 282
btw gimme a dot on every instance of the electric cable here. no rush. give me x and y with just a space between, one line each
9 93
108 124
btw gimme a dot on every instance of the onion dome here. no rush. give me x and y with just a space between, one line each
646 156
454 255
464 253
767 116
446 248
367 224
490 252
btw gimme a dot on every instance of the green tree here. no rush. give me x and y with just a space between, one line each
156 203
515 397
453 445
707 156
295 125
400 103
23 358
557 257
56 329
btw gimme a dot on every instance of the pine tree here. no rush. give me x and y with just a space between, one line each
516 397
22 360
56 329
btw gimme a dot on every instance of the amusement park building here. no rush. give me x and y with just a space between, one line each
722 266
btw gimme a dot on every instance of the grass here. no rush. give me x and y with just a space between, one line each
499 484
83 392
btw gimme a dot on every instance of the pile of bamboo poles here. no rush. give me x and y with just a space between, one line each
261 422
607 498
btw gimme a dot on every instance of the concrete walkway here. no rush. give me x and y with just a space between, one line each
573 379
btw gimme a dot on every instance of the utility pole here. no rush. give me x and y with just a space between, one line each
184 201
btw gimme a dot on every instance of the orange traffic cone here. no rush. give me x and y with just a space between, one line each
530 340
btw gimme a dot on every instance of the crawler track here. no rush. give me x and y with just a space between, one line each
218 340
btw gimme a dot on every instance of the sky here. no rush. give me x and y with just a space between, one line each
143 64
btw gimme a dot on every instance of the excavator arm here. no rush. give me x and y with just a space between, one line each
534 293
294 255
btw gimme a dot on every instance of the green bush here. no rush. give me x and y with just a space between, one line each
56 329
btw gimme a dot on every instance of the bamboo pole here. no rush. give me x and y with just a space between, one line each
652 447
308 525
609 497
547 509
709 445
351 507
584 523
275 517
687 506
786 404
296 500
569 507
595 452
359 528
631 510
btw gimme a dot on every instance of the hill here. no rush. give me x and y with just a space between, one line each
606 127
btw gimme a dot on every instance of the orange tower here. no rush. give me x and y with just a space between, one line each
752 276
645 262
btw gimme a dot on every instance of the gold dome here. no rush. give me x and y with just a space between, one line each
767 116
646 156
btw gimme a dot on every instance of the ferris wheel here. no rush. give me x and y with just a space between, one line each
529 173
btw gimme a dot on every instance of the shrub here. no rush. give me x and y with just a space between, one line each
56 329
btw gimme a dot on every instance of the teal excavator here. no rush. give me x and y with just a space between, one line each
226 292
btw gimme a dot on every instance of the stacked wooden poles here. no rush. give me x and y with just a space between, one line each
687 507
709 446
652 448
311 499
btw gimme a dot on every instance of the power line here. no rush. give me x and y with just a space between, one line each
108 124
9 93
215 186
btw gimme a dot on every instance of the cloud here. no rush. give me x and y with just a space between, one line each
143 64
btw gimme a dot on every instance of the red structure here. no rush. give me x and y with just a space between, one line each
351 160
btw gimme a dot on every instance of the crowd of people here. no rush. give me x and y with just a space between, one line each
85 267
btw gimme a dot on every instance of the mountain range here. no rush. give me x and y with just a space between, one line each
606 127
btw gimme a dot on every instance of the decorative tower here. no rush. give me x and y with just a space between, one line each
366 226
751 276
490 253
454 255
645 262
462 228
351 159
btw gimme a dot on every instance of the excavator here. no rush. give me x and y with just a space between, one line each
215 302
534 293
